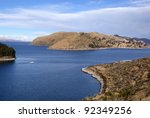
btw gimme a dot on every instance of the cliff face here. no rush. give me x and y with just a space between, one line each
128 80
81 40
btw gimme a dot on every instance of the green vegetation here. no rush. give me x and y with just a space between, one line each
126 92
6 51
94 45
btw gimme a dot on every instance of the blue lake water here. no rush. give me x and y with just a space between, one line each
42 74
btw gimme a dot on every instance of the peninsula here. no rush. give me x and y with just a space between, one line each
6 53
86 41
124 80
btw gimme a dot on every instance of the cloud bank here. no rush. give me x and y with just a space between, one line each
129 21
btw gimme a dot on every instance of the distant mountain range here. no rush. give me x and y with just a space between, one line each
2 39
146 40
85 41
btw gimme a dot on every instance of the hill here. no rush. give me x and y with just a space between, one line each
83 41
6 53
129 80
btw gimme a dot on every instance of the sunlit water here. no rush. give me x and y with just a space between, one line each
42 74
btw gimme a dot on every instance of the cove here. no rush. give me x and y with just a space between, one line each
39 74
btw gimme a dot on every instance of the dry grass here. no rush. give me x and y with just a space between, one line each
81 40
124 80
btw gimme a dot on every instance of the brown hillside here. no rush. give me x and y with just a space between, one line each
129 80
81 40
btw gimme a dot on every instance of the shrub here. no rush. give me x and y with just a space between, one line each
6 51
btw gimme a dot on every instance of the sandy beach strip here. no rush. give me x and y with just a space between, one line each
3 59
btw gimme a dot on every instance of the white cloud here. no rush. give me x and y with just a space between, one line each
140 2
41 33
129 21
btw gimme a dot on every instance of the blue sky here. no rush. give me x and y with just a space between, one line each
30 3
27 19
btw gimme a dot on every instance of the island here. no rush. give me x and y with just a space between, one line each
123 80
7 54
86 41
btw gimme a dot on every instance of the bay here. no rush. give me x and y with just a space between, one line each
39 74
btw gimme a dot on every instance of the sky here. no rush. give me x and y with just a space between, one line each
27 19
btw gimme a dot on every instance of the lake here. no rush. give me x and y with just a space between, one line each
39 74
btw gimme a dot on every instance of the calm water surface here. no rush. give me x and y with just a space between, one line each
42 74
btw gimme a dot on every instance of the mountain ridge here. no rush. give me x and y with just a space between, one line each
82 40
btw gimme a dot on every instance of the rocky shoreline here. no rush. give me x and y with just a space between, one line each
7 59
124 80
94 75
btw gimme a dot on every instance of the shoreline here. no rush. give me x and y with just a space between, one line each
6 59
93 49
122 80
98 78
